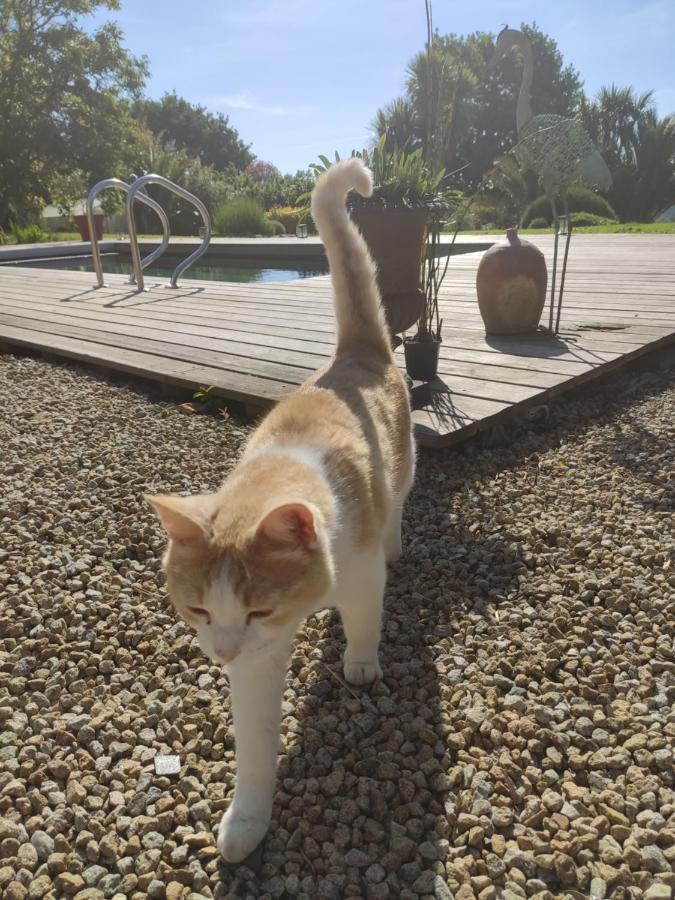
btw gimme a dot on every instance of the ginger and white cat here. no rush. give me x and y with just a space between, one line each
307 519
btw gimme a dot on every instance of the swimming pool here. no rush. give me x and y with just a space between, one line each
217 269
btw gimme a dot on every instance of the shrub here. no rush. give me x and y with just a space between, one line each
242 218
290 217
30 234
275 191
3 236
538 223
586 218
67 188
580 199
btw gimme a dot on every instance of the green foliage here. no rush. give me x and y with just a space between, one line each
580 199
29 234
177 165
612 228
203 135
458 112
538 223
208 401
242 218
3 236
400 180
586 218
505 192
399 124
260 170
290 217
612 121
67 188
639 149
270 192
64 93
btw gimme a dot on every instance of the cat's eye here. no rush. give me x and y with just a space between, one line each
198 613
258 614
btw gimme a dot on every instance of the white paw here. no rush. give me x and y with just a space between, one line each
362 672
238 835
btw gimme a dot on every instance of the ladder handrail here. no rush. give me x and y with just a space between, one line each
148 201
133 194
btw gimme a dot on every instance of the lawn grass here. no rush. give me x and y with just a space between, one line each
620 228
57 236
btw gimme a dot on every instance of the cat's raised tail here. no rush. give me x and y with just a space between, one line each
360 321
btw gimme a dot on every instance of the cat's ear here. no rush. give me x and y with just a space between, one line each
187 520
289 527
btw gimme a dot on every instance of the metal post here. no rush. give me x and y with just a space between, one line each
564 265
555 264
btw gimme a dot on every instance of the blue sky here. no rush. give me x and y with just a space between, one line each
303 77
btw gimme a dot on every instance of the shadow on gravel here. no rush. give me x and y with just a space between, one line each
639 450
371 781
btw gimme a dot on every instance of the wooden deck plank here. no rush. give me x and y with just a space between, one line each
175 347
463 334
323 343
308 297
256 342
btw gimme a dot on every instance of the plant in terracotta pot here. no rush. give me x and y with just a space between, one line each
69 193
393 222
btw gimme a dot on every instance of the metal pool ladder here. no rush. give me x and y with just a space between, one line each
137 192
147 201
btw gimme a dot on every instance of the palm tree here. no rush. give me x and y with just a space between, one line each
639 149
506 191
441 86
645 185
612 120
398 120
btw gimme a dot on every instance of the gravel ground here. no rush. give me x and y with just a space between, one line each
520 744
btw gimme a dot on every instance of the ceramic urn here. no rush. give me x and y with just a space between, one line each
511 286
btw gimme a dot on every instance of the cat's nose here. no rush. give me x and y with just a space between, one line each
226 644
226 656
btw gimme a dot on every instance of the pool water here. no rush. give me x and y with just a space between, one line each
218 270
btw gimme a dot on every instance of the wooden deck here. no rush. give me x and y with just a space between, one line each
256 342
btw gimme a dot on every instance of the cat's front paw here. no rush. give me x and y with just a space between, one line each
362 672
239 835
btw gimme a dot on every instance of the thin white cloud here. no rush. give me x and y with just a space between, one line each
242 100
245 100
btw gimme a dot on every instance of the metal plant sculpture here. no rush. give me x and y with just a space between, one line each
558 149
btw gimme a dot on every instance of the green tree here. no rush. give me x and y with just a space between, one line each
178 166
613 120
462 113
205 136
64 97
639 149
399 121
506 191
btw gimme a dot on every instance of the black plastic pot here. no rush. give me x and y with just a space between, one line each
421 359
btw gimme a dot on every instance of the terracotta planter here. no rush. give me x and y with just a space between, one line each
511 286
396 240
421 359
83 226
